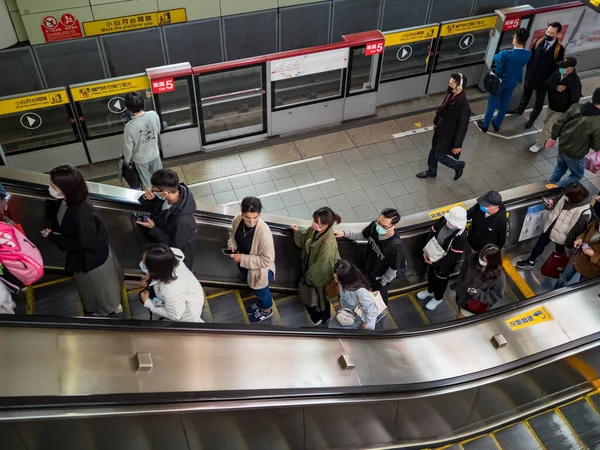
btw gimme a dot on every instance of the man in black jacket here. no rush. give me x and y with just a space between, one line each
545 53
451 123
172 208
488 222
385 259
564 90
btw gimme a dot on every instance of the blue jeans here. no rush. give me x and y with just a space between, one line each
499 103
263 296
433 160
564 163
567 275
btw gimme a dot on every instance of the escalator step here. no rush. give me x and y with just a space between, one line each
293 313
443 313
226 309
404 313
584 420
595 399
387 323
485 442
58 300
517 436
553 432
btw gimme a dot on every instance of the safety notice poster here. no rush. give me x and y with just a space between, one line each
533 225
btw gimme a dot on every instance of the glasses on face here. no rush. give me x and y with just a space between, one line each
383 226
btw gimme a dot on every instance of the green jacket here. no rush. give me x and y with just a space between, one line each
578 130
322 256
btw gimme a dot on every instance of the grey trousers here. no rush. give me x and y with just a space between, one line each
146 169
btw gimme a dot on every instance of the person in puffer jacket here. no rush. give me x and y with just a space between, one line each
567 220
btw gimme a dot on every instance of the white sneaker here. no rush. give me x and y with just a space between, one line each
424 295
433 303
119 309
534 148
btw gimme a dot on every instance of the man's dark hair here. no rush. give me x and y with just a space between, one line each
556 25
522 34
71 182
161 263
134 102
251 204
165 180
457 76
576 193
596 96
391 213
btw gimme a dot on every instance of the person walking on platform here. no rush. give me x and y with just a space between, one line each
172 207
445 246
77 230
509 67
451 123
564 90
319 255
141 139
545 53
579 131
385 258
251 241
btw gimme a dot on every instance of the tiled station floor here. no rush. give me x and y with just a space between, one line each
360 170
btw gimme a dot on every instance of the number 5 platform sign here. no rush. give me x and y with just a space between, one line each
375 48
162 86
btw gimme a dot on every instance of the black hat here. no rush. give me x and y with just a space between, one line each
492 198
569 61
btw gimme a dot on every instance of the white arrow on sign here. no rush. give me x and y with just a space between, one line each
116 105
404 52
466 41
31 121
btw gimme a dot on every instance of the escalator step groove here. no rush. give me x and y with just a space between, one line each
584 420
485 442
553 432
404 313
293 313
226 309
517 436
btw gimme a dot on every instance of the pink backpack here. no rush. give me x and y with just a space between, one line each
19 256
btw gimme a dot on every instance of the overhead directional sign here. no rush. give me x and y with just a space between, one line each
410 36
109 88
468 26
594 4
404 52
31 121
116 105
466 41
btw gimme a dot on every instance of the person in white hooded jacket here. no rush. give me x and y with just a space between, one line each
177 294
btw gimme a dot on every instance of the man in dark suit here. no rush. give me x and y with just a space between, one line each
545 53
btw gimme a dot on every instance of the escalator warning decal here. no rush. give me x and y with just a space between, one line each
528 318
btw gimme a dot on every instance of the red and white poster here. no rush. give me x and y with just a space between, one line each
162 86
67 27
512 24
374 49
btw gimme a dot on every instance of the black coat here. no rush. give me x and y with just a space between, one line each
451 127
487 230
82 235
542 63
561 101
175 226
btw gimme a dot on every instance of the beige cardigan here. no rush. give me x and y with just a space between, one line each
262 254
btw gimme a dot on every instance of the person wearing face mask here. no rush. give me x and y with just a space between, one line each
568 218
178 295
251 241
172 208
319 255
445 246
481 282
564 90
385 258
451 123
77 230
545 53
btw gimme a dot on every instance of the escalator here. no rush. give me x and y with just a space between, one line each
422 380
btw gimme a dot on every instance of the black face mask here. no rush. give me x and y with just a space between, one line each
450 90
549 38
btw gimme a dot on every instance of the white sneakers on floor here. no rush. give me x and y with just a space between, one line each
433 303
534 148
424 295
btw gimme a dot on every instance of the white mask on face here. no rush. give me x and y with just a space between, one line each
251 222
56 194
482 262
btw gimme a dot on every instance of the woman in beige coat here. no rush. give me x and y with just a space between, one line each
253 248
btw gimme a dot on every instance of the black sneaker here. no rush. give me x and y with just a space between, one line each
260 316
525 264
514 111
496 128
252 308
460 171
481 127
529 124
425 174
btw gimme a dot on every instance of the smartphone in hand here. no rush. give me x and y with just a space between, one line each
139 217
227 251
547 202
585 246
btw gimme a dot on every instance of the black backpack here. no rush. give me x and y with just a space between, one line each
492 82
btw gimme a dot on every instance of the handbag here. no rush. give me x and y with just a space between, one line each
434 251
379 303
476 307
130 174
592 161
554 265
307 295
345 317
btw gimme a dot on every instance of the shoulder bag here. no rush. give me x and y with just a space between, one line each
434 251
492 82
307 295
379 303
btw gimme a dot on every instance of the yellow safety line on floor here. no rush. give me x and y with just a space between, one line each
206 307
394 297
496 441
480 436
422 314
29 302
279 300
591 403
517 279
568 424
533 433
579 365
242 307
276 315
219 294
50 283
389 316
249 297
80 311
125 302
510 291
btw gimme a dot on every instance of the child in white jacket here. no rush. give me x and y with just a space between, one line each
179 295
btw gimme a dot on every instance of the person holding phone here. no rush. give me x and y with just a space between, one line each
586 261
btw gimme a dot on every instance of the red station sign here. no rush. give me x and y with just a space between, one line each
162 86
375 48
67 28
512 24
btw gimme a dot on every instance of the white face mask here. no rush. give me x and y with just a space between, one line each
250 222
56 194
482 262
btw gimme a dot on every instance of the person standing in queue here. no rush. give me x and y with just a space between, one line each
451 123
445 246
545 53
251 241
172 207
319 255
509 67
385 259
77 230
141 139
564 90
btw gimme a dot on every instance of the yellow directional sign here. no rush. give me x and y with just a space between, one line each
113 87
409 36
30 102
134 22
437 213
468 26
528 318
